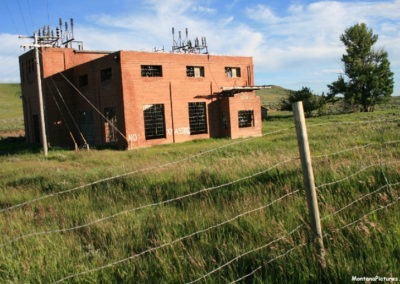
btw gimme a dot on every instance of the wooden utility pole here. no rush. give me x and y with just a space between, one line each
40 94
36 45
308 177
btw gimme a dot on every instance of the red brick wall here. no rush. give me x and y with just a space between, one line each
175 86
128 92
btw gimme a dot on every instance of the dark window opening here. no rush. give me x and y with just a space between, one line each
154 121
105 74
110 125
83 80
151 70
232 72
195 71
246 118
197 118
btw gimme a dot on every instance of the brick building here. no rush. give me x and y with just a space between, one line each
132 99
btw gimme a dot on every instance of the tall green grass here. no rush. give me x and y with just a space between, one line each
11 117
369 247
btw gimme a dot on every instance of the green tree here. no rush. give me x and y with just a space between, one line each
310 101
368 77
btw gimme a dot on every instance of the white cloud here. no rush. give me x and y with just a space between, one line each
9 52
262 13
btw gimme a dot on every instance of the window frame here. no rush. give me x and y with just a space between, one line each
154 121
150 71
106 74
197 118
191 71
229 72
246 118
110 132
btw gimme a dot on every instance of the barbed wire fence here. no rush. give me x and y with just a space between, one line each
282 236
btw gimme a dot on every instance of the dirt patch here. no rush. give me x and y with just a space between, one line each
6 134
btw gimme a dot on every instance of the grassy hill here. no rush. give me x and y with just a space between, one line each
272 97
11 115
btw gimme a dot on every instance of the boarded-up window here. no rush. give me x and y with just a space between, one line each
246 118
154 121
197 118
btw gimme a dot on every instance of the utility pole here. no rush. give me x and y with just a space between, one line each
36 46
40 94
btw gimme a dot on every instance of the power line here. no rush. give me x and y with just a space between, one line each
22 16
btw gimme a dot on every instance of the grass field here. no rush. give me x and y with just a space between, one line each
11 117
180 211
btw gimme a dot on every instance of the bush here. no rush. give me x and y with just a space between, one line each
310 101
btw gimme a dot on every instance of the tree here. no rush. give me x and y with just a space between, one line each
310 101
368 77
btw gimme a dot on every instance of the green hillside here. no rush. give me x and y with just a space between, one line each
272 97
11 115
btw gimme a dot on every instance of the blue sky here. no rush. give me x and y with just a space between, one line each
293 43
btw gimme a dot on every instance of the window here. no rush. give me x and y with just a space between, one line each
110 125
197 118
195 71
232 72
105 74
154 121
151 70
83 80
246 118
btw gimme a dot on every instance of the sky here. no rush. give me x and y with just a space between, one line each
294 43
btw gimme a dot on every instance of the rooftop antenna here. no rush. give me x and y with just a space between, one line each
188 46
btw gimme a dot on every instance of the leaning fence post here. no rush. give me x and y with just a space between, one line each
308 177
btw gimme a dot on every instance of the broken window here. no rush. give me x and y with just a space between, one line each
83 80
151 70
246 118
197 118
110 125
232 72
195 71
154 121
105 74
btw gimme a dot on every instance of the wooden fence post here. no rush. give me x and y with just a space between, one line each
308 177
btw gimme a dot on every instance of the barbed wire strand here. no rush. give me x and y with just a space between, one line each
268 262
176 240
246 253
325 235
34 200
353 122
63 230
264 246
354 174
359 199
166 202
372 212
